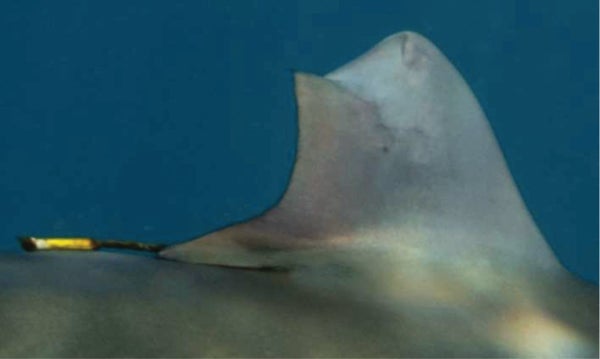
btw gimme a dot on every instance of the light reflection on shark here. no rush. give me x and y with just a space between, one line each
401 234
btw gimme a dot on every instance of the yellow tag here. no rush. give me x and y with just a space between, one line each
84 244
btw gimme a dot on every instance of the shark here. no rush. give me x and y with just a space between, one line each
401 234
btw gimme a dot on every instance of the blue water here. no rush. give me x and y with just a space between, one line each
162 120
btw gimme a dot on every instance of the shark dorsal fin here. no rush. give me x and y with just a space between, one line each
393 148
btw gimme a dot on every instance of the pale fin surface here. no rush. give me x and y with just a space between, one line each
393 149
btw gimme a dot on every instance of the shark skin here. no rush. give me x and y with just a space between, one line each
401 234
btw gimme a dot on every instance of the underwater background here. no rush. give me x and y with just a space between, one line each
162 120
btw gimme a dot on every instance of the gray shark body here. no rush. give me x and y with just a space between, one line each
401 234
